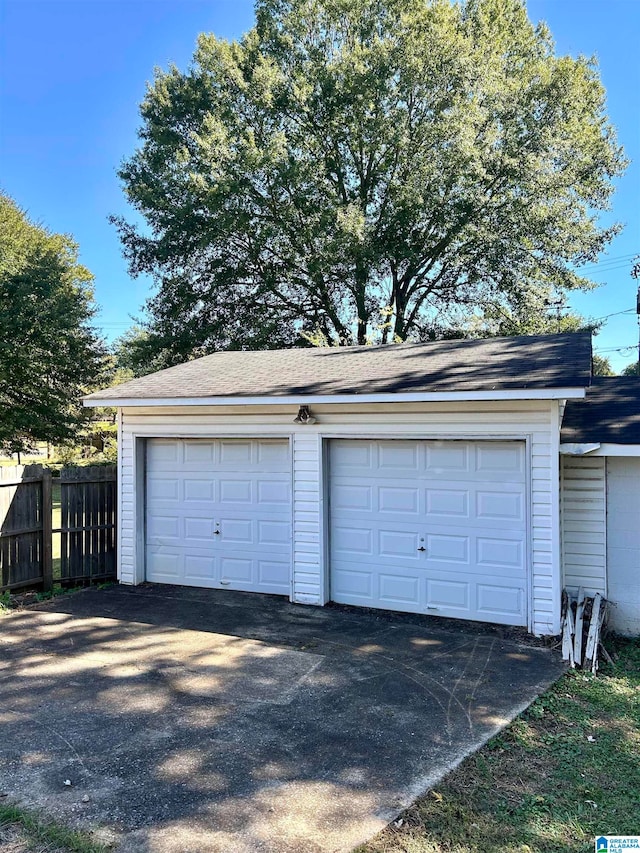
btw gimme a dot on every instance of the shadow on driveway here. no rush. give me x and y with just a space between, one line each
198 720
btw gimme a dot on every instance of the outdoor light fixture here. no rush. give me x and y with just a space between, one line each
304 416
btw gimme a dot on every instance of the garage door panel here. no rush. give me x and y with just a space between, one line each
447 459
163 489
462 501
242 489
237 569
500 601
200 452
272 492
164 527
198 531
199 568
398 457
273 574
236 531
273 455
165 563
353 540
398 543
399 589
161 452
403 499
198 490
500 457
351 498
354 582
236 491
445 593
446 547
235 453
447 504
499 505
273 532
498 553
347 456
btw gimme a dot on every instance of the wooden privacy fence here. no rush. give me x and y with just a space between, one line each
25 528
87 523
30 556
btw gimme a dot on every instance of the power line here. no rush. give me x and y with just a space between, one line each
608 261
615 314
616 349
624 268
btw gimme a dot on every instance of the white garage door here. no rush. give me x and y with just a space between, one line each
430 527
219 514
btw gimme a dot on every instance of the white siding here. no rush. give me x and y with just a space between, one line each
584 523
623 543
307 519
128 510
535 421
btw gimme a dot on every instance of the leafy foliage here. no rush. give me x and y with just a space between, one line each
49 352
602 366
351 169
631 369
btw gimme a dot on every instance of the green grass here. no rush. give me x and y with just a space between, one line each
541 786
25 459
39 834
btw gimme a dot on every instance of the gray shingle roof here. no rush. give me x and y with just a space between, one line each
610 413
542 361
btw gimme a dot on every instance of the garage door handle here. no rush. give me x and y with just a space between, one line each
216 533
422 548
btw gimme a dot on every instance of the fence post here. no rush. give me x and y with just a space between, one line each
47 535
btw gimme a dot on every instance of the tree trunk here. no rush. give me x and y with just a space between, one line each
361 305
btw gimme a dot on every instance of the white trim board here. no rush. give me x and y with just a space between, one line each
311 399
600 449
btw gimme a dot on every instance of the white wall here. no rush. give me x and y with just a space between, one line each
583 523
535 421
623 543
600 523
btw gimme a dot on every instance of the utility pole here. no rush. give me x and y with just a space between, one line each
559 305
638 315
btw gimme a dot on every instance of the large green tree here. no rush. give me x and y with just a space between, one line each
49 352
352 169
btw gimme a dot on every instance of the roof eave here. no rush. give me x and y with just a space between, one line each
571 393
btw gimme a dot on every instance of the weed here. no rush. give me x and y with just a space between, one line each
47 833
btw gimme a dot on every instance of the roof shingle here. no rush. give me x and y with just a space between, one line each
531 362
610 413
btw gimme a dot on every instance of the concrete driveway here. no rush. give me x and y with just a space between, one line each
198 721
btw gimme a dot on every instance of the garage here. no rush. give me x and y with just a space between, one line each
430 527
419 477
218 514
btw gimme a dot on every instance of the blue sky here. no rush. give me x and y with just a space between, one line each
72 73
